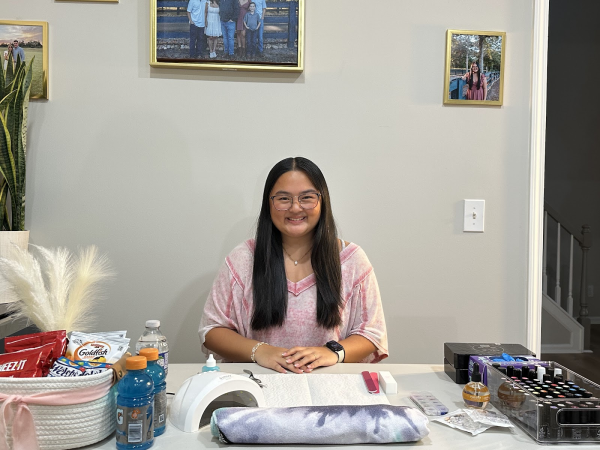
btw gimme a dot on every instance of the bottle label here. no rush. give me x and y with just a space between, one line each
135 424
160 408
163 361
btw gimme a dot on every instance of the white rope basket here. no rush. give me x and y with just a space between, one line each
67 426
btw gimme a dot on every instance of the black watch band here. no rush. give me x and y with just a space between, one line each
336 347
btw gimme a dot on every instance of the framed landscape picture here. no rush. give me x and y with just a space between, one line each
28 40
474 67
256 35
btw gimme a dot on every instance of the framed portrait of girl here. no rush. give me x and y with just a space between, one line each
474 67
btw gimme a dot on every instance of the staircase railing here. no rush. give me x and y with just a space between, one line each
584 239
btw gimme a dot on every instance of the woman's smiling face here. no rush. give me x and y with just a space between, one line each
296 222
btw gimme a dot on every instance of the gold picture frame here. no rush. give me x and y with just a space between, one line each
283 31
33 39
467 52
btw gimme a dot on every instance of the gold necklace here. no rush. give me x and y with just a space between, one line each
299 259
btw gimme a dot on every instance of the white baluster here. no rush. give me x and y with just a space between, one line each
545 255
557 288
570 296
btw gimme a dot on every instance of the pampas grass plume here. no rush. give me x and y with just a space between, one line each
57 290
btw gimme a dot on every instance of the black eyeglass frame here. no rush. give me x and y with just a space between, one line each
319 196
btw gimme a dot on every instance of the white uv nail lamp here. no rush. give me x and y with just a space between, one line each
205 392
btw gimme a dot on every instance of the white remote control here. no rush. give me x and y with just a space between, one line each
428 403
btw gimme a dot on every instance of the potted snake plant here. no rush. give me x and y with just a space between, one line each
15 86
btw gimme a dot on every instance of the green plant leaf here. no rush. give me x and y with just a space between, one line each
4 223
3 90
9 70
6 101
7 163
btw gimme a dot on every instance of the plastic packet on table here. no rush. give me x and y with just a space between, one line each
492 418
92 347
64 367
460 420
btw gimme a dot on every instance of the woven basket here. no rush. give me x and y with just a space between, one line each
67 426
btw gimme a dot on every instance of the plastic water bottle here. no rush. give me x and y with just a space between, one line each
135 421
211 365
152 337
158 376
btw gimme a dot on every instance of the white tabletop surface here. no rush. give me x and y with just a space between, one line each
410 377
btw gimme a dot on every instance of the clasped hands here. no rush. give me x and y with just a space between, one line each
295 359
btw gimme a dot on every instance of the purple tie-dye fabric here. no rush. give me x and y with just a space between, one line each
319 425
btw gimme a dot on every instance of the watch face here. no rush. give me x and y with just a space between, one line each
335 346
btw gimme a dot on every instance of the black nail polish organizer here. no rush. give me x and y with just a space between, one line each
551 411
457 355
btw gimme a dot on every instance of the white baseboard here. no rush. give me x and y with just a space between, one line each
558 348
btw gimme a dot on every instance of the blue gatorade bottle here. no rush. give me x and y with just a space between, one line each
135 422
157 373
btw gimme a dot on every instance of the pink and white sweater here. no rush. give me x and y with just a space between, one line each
229 305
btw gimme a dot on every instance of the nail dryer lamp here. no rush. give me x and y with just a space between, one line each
207 391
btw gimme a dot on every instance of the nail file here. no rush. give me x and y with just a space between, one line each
369 382
375 378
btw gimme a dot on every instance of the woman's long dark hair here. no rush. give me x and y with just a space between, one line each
478 76
269 279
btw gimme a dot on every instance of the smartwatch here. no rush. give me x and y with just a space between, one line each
336 347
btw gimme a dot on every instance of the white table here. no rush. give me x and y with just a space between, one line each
410 377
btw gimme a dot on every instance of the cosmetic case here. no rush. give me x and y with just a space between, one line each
457 356
571 416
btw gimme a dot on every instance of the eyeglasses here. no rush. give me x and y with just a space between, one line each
283 202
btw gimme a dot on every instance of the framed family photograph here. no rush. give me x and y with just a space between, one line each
474 67
28 41
255 35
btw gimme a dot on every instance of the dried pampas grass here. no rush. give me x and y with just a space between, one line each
57 290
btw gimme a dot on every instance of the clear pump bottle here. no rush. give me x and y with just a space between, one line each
476 394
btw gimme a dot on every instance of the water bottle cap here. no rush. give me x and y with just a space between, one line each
152 323
136 363
150 353
210 362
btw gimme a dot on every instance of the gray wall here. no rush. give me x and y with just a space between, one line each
163 169
572 184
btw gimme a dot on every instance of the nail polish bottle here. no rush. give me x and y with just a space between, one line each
476 394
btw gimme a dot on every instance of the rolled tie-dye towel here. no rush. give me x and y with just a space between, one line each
349 424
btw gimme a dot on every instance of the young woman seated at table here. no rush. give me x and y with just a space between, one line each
296 297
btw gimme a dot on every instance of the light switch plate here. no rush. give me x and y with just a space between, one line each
474 215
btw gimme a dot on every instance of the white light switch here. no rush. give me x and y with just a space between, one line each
474 215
